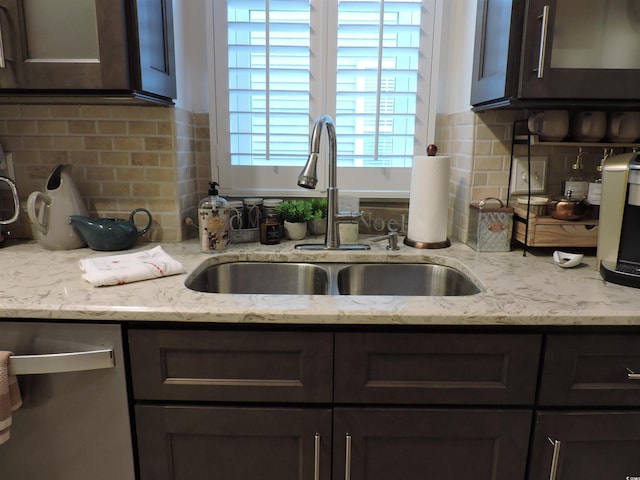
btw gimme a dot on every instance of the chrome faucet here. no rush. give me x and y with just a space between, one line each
308 178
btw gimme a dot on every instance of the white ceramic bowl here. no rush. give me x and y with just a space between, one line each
567 260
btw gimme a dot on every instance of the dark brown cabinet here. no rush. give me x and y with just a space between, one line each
415 444
225 443
232 366
579 445
279 404
436 368
556 53
588 424
110 47
591 370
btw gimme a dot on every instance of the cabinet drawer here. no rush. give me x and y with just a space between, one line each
591 370
231 365
443 368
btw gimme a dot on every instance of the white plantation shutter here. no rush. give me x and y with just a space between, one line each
279 64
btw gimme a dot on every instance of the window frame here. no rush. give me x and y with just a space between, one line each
363 182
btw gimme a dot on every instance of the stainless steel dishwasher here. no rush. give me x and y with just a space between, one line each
74 420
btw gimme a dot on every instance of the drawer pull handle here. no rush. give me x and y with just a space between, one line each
632 375
316 457
555 460
2 57
347 463
543 40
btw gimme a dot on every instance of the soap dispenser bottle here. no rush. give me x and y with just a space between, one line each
213 215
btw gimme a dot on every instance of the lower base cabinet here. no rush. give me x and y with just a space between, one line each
319 405
584 445
419 444
221 443
225 443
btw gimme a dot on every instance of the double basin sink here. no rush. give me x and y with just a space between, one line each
309 278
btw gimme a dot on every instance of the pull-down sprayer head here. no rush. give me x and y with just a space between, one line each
308 177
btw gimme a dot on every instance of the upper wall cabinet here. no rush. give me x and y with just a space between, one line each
556 53
79 47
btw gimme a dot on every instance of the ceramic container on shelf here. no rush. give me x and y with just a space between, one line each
588 126
623 127
549 125
49 211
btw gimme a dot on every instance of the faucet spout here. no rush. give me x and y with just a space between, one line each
308 178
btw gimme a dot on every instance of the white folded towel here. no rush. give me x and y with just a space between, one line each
10 399
129 267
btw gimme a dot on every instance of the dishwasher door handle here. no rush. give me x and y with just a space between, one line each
61 362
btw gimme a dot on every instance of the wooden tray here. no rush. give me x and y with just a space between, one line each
545 231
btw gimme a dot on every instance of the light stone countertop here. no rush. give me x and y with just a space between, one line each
517 290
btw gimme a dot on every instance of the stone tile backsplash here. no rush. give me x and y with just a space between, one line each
123 157
158 157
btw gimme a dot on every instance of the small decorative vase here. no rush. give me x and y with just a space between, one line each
295 230
318 227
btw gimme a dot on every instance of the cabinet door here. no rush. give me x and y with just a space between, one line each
189 443
66 44
157 70
581 49
434 368
591 370
408 444
236 366
497 50
586 445
9 73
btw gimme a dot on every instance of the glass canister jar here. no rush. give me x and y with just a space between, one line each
270 207
270 229
252 212
236 214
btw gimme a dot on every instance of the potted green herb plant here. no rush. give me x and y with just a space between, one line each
296 214
318 222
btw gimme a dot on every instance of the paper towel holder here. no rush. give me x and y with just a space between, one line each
432 149
417 244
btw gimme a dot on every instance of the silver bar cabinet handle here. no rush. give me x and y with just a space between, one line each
543 40
347 462
632 375
3 64
316 458
61 362
555 460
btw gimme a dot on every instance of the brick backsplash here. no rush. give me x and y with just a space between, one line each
122 157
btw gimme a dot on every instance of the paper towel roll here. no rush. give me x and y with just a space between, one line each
429 202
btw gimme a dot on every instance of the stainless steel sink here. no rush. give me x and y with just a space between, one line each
262 278
285 278
404 279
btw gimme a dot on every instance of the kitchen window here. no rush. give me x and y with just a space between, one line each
279 64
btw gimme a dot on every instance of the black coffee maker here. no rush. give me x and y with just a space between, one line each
619 228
